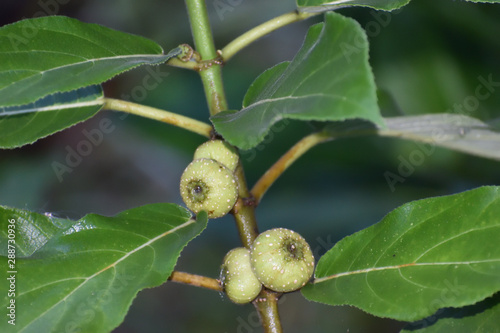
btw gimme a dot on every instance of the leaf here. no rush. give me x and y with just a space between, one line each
21 125
423 256
32 230
85 278
478 318
325 5
452 131
52 54
329 79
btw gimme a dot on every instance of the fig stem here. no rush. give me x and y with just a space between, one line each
196 280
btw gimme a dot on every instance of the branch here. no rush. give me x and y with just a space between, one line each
175 119
244 210
211 75
299 149
261 30
267 307
196 280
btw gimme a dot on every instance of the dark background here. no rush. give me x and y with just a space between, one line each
426 57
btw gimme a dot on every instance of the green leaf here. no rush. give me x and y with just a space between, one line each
21 125
52 54
325 5
423 256
452 131
85 278
329 79
478 318
32 230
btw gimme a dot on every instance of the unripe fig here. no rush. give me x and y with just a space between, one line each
219 151
240 283
282 260
210 186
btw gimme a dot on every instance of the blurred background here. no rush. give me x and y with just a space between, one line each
427 58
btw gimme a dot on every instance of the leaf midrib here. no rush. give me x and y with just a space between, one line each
375 269
92 60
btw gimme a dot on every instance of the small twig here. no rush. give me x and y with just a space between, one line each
261 30
196 280
285 161
178 120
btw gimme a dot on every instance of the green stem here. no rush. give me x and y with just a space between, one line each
261 30
178 120
211 74
196 280
244 210
267 307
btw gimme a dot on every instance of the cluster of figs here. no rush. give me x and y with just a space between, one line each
278 259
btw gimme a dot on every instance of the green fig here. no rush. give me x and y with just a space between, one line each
282 260
219 151
240 283
210 186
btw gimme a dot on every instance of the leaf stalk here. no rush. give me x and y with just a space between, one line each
171 118
262 30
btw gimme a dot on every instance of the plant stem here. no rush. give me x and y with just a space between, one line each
196 280
178 120
261 30
211 74
267 307
299 149
244 211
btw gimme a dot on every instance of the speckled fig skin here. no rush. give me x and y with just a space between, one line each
282 260
210 186
219 151
240 283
